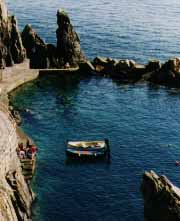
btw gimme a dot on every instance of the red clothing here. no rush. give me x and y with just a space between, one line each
33 149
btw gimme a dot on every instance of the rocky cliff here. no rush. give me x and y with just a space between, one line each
161 198
67 52
11 48
16 196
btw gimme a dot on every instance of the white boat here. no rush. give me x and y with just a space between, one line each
87 148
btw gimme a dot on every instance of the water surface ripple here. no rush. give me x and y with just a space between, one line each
135 29
141 122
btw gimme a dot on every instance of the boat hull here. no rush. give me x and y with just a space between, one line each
85 154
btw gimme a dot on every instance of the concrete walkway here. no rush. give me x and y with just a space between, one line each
13 77
59 70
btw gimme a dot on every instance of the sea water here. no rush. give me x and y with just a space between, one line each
142 122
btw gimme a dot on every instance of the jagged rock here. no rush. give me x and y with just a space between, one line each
35 47
125 65
11 49
16 47
153 65
124 70
86 67
105 65
67 53
173 65
68 42
168 74
161 198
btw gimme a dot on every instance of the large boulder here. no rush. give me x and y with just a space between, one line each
123 69
168 74
68 42
153 65
104 65
161 198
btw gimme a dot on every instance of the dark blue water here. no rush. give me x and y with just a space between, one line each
138 29
141 122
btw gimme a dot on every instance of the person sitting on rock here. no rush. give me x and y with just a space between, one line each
67 65
22 154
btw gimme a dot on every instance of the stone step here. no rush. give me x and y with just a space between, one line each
28 168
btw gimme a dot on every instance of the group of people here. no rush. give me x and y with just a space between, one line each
28 152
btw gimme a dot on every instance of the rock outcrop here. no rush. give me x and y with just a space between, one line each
67 52
68 42
36 48
161 198
124 70
168 74
130 71
11 48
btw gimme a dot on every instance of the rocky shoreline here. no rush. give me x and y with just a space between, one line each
16 195
161 197
67 54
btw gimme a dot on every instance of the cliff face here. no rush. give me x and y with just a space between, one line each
67 52
161 198
11 48
15 194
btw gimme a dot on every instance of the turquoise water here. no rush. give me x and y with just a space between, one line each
141 122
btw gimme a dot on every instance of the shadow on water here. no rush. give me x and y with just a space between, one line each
65 82
72 161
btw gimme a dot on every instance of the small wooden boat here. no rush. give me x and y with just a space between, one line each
87 148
